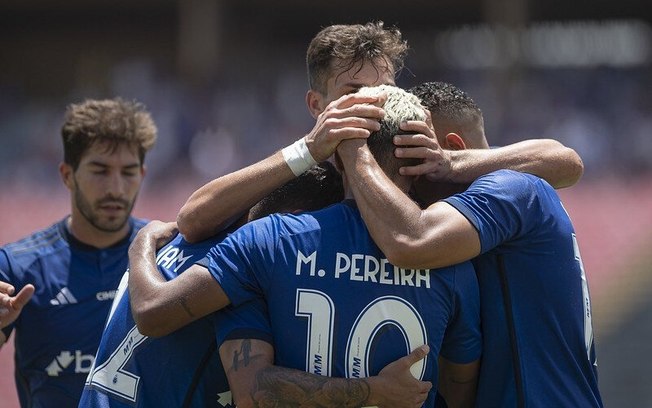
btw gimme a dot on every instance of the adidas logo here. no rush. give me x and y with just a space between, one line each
64 297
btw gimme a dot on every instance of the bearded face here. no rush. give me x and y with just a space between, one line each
105 185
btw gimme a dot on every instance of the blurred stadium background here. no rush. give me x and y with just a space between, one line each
225 82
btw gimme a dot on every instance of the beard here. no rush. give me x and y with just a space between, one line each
91 212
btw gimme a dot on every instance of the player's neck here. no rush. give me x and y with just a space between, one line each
88 234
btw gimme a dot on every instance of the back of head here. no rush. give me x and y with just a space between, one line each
400 106
315 189
454 111
338 48
112 121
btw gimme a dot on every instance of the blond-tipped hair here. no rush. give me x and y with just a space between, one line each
400 106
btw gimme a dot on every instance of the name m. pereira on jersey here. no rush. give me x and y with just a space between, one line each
364 268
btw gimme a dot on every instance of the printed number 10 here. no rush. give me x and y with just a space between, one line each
319 309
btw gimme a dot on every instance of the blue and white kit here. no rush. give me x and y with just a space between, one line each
536 309
57 333
182 369
336 306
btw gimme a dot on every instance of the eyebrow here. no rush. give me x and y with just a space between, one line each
102 164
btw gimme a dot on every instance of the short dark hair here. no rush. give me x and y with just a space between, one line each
399 106
446 100
315 189
114 121
348 45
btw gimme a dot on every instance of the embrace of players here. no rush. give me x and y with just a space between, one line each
387 258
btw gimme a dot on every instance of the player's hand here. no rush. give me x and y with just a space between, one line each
400 388
349 149
158 232
349 117
11 306
6 288
423 145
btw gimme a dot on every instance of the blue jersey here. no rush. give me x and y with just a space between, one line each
182 369
536 316
59 329
336 306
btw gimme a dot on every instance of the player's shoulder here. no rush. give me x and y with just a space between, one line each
178 244
281 225
302 220
338 213
310 221
40 244
510 183
509 176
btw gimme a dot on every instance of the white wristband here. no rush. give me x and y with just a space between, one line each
298 157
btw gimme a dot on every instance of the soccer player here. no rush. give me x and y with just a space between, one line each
340 60
336 306
184 368
339 63
536 312
71 270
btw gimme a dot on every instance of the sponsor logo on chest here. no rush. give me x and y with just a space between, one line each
74 359
66 297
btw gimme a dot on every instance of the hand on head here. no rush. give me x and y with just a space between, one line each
350 117
422 143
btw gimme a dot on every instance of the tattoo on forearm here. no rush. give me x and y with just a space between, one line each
279 387
245 353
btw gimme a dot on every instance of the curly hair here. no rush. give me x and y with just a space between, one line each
446 100
114 121
315 189
342 47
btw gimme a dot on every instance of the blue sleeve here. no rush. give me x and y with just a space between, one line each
5 268
242 263
502 206
247 321
462 342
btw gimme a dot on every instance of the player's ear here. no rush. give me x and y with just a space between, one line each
66 172
315 102
455 142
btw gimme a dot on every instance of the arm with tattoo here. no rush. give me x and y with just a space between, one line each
285 386
256 382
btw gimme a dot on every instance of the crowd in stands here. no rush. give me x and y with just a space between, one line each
603 113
